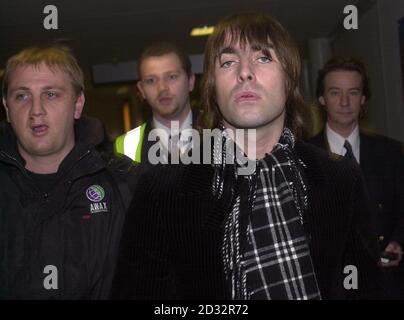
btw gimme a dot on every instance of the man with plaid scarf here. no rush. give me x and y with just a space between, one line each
288 230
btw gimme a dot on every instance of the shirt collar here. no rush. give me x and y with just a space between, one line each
186 124
336 141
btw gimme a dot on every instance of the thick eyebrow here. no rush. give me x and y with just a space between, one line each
265 48
227 50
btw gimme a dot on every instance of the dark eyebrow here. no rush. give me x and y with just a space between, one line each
338 88
228 50
334 88
225 50
264 48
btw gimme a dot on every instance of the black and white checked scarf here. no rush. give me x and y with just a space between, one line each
265 249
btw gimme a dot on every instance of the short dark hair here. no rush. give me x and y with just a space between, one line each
162 48
254 29
342 63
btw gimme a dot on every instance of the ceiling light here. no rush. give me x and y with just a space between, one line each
202 31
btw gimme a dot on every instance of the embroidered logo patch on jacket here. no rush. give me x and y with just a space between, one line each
96 194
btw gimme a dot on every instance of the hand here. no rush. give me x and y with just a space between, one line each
393 247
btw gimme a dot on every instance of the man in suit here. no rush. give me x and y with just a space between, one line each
165 82
342 90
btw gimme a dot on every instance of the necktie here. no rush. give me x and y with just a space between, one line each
173 143
178 143
349 153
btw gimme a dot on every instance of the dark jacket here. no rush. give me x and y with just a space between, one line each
73 230
382 164
172 239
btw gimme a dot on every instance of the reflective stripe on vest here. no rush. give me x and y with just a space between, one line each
130 143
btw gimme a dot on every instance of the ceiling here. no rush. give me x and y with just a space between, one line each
101 31
104 32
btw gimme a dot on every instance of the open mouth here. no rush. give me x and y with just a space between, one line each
165 100
39 130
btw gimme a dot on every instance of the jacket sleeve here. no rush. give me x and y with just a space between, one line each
362 250
398 232
143 266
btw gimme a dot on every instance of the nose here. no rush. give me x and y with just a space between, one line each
37 108
162 85
344 99
245 72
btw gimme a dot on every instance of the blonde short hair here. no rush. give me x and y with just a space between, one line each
53 56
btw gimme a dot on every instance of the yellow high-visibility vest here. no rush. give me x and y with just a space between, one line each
130 143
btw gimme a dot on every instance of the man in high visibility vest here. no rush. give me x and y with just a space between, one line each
165 81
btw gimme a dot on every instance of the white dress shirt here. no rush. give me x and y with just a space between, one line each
336 142
169 132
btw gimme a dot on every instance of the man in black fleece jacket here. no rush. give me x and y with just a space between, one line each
298 227
63 193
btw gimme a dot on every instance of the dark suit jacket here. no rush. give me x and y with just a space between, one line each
382 164
172 241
